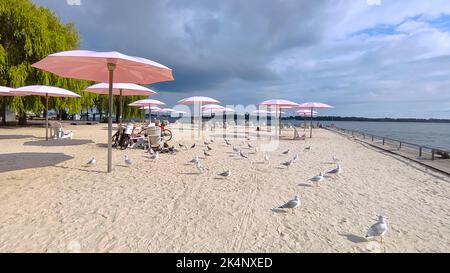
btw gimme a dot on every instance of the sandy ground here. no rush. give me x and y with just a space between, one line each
51 202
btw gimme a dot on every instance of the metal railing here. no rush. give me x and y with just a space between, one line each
421 150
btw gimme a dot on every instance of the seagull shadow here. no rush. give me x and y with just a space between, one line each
122 166
86 168
58 142
278 210
190 173
354 238
305 185
219 178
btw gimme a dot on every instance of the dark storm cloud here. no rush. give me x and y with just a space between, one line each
205 42
246 51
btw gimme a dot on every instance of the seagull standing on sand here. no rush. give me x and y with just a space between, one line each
317 179
200 167
337 171
206 153
287 152
225 173
242 154
236 149
155 156
193 146
266 158
308 148
296 158
183 146
209 148
128 161
92 161
288 163
250 146
195 160
227 142
291 204
378 229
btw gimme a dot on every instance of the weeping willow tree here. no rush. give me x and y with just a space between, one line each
29 33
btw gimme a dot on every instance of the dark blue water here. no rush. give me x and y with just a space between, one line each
434 135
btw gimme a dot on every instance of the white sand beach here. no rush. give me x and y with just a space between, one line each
51 202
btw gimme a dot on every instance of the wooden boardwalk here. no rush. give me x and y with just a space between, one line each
411 152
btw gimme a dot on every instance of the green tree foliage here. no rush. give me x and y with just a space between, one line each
29 33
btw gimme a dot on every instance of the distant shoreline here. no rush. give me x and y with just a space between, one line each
327 118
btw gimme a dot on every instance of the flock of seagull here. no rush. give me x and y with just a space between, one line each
378 229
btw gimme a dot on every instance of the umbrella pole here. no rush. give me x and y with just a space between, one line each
46 116
120 110
310 129
279 123
304 116
200 120
111 68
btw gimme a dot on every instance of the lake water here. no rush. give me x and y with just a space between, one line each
434 135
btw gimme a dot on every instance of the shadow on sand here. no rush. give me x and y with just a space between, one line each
278 210
23 161
4 137
58 142
354 238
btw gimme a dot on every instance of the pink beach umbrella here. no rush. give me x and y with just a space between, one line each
261 112
311 106
110 67
166 111
121 89
6 91
199 100
279 104
212 108
148 104
45 91
306 113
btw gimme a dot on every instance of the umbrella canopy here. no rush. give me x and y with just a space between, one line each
45 91
152 108
147 103
212 107
223 110
199 100
111 67
123 89
314 105
261 112
311 106
94 66
279 104
6 91
305 112
167 110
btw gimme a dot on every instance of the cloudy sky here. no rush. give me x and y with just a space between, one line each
373 58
